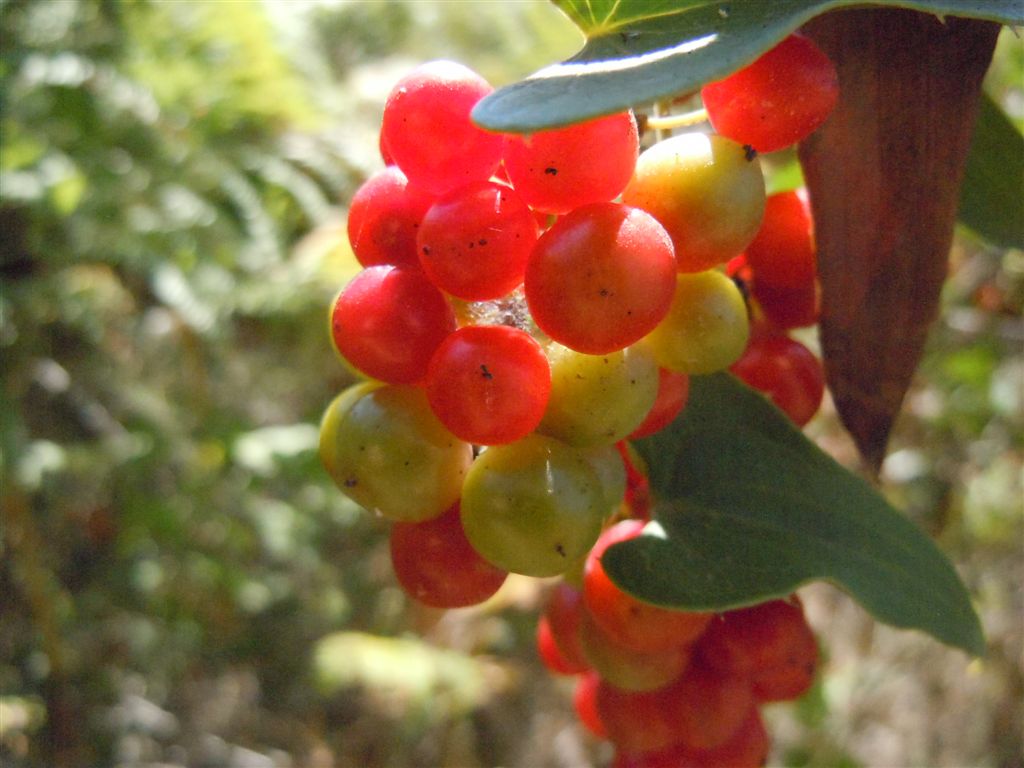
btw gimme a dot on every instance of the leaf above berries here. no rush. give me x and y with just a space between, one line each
749 509
639 51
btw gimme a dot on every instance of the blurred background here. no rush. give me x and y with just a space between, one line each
181 585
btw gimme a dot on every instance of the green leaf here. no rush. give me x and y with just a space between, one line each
750 509
640 51
990 201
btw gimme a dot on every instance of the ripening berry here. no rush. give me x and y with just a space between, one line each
630 622
706 190
706 328
598 399
533 507
610 467
385 450
627 668
436 565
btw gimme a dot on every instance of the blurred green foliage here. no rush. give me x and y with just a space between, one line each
179 582
165 357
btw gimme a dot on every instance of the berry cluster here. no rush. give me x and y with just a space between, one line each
528 304
674 689
778 273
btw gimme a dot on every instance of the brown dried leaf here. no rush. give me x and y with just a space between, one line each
884 175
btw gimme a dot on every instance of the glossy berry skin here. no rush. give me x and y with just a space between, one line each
638 488
584 701
384 217
550 653
558 170
627 668
601 278
673 392
770 644
475 240
489 384
598 399
330 438
706 328
428 132
628 621
436 565
785 370
388 321
607 462
533 506
385 449
747 748
708 193
564 614
701 710
778 100
782 254
635 721
786 308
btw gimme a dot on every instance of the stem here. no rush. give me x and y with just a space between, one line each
660 122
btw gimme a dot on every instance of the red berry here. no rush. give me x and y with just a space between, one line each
626 668
673 391
558 170
436 565
475 240
785 370
384 217
778 100
771 644
584 701
601 278
782 253
564 614
489 384
428 132
786 308
388 321
703 709
635 721
707 707
747 748
550 654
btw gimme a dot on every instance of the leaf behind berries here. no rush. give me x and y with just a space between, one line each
640 51
990 202
750 509
883 174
